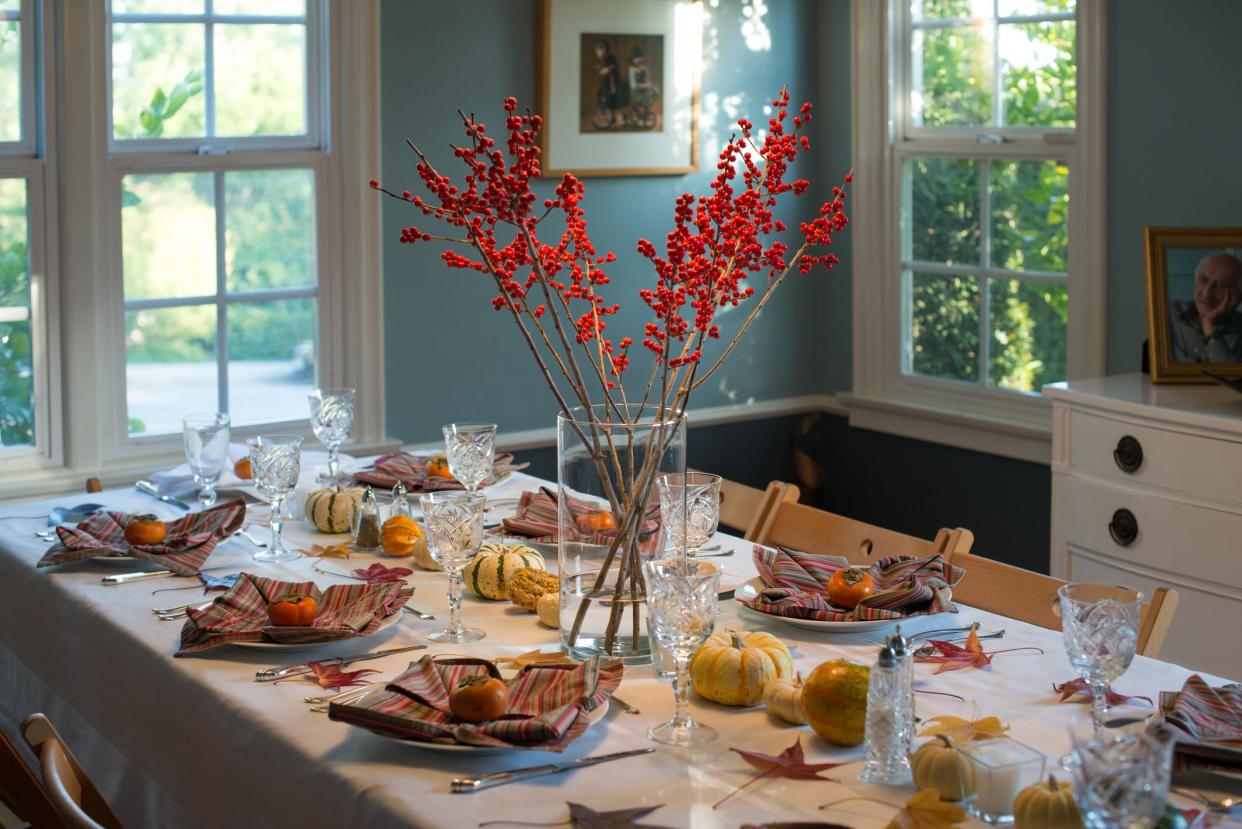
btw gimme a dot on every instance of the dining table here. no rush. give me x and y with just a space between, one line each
197 741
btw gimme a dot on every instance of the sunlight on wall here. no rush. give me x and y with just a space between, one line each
754 30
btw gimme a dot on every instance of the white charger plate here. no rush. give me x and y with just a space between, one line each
456 748
306 646
751 589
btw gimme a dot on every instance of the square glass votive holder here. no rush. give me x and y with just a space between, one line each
993 772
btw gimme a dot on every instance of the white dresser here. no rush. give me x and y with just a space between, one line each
1147 491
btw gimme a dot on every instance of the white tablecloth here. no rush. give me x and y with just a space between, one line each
204 745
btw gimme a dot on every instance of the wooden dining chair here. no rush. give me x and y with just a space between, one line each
74 796
744 508
812 530
20 789
1032 597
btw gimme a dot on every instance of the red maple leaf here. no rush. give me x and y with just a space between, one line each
951 657
331 676
1079 687
789 763
377 573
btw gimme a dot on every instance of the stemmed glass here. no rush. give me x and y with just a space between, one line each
1099 624
206 451
689 509
1121 779
470 448
681 610
332 419
275 464
454 523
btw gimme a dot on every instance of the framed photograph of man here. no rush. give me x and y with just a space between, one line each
618 86
1194 294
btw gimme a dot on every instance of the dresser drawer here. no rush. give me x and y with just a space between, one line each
1150 531
1196 466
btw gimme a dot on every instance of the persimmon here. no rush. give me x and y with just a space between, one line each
242 469
479 698
145 530
850 586
596 521
293 611
438 467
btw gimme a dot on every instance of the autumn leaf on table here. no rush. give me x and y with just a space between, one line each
330 551
951 657
956 728
583 817
925 811
1079 688
533 658
789 763
377 573
331 677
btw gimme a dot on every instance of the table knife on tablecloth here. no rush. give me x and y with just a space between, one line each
270 674
463 785
125 578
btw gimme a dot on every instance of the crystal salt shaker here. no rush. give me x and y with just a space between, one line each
885 744
905 663
400 504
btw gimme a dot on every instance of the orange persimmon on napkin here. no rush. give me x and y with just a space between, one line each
411 471
536 519
186 546
549 705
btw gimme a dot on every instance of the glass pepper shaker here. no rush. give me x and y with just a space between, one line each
367 524
905 663
400 504
884 741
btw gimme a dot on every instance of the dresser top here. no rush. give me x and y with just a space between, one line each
1208 406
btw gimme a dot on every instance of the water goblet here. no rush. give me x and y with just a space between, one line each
681 610
454 524
1121 779
275 464
689 509
470 448
1099 625
206 451
332 419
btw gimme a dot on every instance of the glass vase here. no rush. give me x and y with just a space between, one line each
608 459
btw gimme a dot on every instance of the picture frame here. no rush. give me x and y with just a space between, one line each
619 87
1194 303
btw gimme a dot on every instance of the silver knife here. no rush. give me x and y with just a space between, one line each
463 785
154 491
124 578
269 674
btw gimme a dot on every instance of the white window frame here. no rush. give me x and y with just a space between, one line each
88 330
968 415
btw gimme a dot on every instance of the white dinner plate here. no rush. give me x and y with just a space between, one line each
456 748
751 589
120 561
305 646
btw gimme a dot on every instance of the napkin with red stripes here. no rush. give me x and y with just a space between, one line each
189 540
796 586
549 705
1206 714
536 519
240 613
411 470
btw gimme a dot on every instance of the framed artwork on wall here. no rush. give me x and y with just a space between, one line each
619 86
1194 294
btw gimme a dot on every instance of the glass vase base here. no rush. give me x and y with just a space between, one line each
629 650
275 556
673 733
457 636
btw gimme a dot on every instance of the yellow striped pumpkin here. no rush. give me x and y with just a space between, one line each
488 574
731 668
332 509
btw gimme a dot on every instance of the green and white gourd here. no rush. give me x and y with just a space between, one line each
488 574
332 510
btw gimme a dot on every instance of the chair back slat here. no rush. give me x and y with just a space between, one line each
744 508
71 791
20 789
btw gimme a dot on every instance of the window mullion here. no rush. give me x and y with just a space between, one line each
209 71
985 255
222 330
996 67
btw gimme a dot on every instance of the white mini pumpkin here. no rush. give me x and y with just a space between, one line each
487 575
732 668
783 697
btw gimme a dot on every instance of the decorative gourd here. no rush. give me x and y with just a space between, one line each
834 699
1047 805
732 668
401 536
528 584
934 766
487 576
549 609
332 509
783 697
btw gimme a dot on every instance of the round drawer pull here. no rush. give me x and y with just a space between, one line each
1128 454
1123 528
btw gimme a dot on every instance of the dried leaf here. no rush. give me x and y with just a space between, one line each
956 728
330 551
789 763
951 657
926 810
582 817
377 573
331 677
533 658
1079 688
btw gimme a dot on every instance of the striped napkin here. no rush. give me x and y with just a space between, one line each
536 519
411 470
185 548
1208 715
796 586
548 704
240 613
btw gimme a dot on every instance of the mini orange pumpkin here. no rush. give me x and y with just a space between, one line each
293 611
437 467
400 536
145 530
242 469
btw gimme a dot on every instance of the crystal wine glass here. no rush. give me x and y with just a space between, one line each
1120 779
689 509
206 451
1099 624
454 524
470 448
681 610
275 464
332 419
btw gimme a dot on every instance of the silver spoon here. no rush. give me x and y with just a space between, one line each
246 535
1225 804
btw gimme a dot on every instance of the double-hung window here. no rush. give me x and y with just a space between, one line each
218 160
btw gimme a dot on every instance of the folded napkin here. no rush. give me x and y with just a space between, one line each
190 539
548 704
1206 714
411 470
240 613
796 586
536 519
